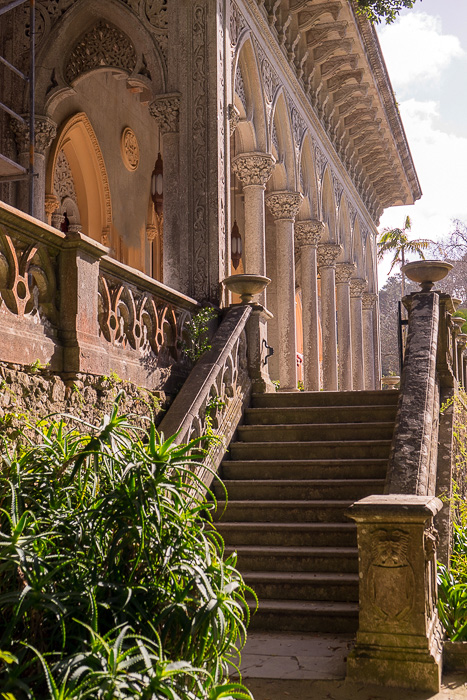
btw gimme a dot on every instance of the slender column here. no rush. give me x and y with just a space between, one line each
307 236
165 109
284 207
344 272
45 131
357 288
368 305
254 170
327 255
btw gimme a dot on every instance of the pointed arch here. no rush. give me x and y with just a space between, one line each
248 98
344 236
285 173
307 178
328 205
358 254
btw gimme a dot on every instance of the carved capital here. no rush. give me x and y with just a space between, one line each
344 272
328 254
154 231
284 205
45 130
51 204
357 287
369 301
166 109
253 168
233 117
308 232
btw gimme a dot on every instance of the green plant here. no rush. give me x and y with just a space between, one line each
111 585
277 384
198 333
300 385
36 366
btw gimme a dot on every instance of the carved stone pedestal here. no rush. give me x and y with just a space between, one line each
256 331
399 633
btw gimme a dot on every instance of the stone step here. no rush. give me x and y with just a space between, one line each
337 449
288 534
300 489
283 511
305 469
387 397
319 414
321 431
304 616
301 585
317 559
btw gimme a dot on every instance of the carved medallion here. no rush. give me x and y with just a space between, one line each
130 149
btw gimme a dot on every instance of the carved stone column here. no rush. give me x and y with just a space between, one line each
45 131
254 170
284 207
327 255
307 236
369 304
344 272
165 109
357 288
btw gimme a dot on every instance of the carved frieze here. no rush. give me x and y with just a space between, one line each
344 272
328 254
253 168
284 205
338 189
166 110
357 287
237 25
308 232
240 87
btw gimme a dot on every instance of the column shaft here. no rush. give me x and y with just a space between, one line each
328 322
310 314
356 290
286 304
344 340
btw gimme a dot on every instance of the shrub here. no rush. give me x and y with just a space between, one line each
112 585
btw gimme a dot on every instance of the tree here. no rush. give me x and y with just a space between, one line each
389 296
396 241
453 248
377 10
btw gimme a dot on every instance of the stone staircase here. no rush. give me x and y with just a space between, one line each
300 460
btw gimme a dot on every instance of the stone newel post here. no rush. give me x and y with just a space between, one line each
357 289
327 255
344 272
253 171
399 635
368 304
307 236
284 207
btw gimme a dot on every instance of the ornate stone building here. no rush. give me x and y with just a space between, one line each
274 114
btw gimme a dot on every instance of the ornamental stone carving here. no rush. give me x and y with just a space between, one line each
328 254
45 130
51 204
344 272
233 117
369 301
253 168
357 287
103 45
284 205
308 232
129 148
166 109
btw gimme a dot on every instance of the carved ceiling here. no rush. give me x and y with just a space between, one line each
338 60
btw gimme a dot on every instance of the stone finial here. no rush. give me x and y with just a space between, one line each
253 168
284 205
357 287
166 109
344 271
233 116
369 301
45 130
308 232
328 254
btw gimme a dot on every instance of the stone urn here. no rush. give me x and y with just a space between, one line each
426 272
247 286
391 382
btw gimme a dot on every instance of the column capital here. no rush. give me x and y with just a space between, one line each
369 300
308 232
166 109
344 271
357 287
52 203
45 130
253 168
328 254
284 204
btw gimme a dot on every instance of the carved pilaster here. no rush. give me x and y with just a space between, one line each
308 232
253 168
166 109
344 272
45 131
284 205
328 254
234 117
357 287
369 301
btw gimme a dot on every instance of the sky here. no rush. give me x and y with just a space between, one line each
426 55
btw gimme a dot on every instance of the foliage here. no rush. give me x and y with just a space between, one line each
453 249
377 10
198 333
462 313
397 242
389 296
111 586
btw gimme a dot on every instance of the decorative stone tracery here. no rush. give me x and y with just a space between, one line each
166 110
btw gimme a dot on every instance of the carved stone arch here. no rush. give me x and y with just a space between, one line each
344 236
358 255
328 204
307 176
246 67
370 259
76 144
285 173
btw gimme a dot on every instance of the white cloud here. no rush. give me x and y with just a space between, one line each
415 49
